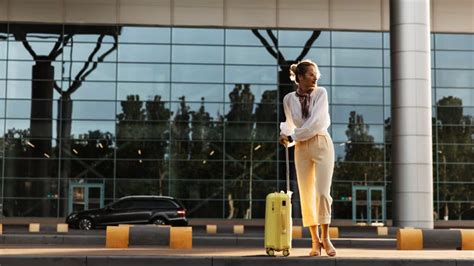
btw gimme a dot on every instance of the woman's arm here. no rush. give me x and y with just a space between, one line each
287 128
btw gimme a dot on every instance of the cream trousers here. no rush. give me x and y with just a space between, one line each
314 161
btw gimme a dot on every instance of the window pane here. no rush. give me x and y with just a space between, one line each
357 39
93 110
143 72
82 52
368 114
300 37
90 90
319 55
260 93
250 74
455 78
198 54
357 95
102 72
247 37
85 127
144 35
23 70
22 108
356 57
197 73
453 59
356 76
372 132
249 55
198 36
144 53
454 41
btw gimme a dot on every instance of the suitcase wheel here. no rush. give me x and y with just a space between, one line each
286 253
270 252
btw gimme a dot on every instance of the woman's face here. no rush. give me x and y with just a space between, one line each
308 80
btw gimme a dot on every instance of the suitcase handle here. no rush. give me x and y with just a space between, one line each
287 159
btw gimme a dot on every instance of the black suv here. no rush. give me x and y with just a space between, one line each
131 210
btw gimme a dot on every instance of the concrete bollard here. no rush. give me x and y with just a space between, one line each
409 239
238 229
467 239
62 228
382 231
34 228
142 235
297 232
117 236
334 232
181 237
211 229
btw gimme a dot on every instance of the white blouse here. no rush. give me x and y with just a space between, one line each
316 123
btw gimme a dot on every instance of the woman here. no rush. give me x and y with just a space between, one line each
307 121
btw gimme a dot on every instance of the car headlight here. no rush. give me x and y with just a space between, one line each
71 216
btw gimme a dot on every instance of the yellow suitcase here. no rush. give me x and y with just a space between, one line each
278 222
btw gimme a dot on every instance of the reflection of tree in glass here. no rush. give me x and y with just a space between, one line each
363 160
454 132
141 135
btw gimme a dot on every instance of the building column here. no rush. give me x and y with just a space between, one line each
412 163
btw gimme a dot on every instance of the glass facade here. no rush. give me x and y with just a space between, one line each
194 113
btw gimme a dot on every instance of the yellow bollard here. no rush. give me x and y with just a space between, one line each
1 229
62 228
409 239
34 228
238 229
297 232
181 237
334 232
467 237
382 231
117 236
211 229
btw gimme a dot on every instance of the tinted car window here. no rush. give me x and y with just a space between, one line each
165 204
123 204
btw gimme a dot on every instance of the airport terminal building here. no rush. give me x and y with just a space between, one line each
103 99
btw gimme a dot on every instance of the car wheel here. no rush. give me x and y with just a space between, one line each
85 224
159 221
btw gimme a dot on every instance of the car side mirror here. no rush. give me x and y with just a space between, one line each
108 208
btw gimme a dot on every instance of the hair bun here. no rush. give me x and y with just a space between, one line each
293 72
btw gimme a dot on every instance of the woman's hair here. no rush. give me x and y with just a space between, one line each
301 68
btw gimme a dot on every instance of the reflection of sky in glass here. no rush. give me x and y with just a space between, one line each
143 72
246 37
2 88
22 108
356 57
24 124
455 78
93 110
251 74
82 127
198 36
145 91
143 53
3 69
194 92
198 54
300 37
454 41
319 55
249 55
194 73
144 35
3 48
19 89
357 39
454 59
92 91
2 105
359 95
356 76
103 72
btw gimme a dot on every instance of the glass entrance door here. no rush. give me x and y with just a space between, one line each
85 196
368 204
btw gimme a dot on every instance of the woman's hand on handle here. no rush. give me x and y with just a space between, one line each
283 140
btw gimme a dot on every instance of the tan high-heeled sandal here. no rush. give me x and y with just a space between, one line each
315 249
330 250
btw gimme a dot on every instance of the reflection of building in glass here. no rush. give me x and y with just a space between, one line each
193 112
